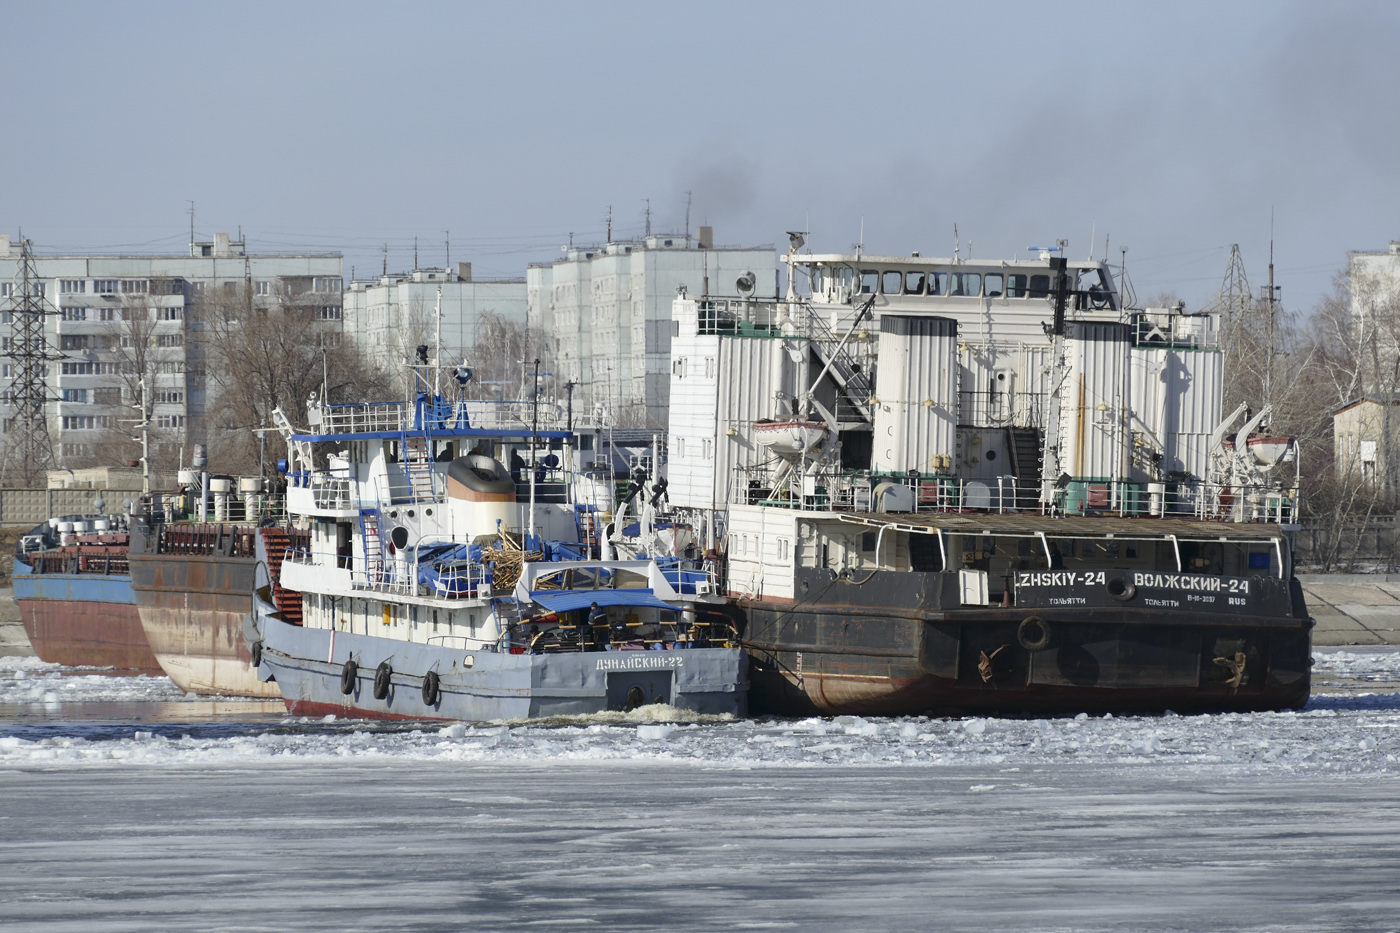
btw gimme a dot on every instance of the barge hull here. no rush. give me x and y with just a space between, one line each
83 620
192 610
828 660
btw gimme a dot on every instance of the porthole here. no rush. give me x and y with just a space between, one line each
411 513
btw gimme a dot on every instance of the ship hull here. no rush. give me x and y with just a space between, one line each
192 609
84 620
827 659
307 665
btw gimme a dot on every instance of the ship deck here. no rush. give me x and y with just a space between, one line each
1074 526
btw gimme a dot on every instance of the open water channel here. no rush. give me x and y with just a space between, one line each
126 805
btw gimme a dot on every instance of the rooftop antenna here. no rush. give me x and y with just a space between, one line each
415 254
191 228
437 347
447 238
687 218
648 203
1105 246
1093 235
386 260
957 246
609 223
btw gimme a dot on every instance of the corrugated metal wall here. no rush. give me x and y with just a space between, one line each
1095 400
916 383
758 378
29 507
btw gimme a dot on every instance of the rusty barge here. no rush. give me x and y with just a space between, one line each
193 586
73 589
956 486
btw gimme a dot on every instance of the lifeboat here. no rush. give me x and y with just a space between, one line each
790 437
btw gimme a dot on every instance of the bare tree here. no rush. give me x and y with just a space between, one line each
268 353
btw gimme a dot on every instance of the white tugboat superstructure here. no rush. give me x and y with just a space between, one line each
439 583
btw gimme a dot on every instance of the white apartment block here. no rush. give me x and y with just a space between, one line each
601 316
391 316
93 299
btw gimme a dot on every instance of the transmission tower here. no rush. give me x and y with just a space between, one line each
29 451
1236 298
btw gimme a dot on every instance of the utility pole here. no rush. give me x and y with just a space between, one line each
609 237
29 451
569 390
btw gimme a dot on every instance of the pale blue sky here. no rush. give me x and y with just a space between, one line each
1175 128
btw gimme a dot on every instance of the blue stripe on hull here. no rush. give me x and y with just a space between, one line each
77 587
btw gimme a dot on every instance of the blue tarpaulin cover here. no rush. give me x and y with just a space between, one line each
566 600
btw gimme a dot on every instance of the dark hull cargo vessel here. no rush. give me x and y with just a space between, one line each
956 486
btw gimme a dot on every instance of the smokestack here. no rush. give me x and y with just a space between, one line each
705 238
464 272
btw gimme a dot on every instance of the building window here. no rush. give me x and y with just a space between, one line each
172 314
170 340
74 450
329 313
4 289
327 285
75 395
106 314
104 286
170 421
107 395
170 397
262 288
70 286
75 342
74 314
135 286
79 422
197 288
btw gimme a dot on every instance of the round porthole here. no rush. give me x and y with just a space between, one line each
394 513
991 455
411 513
428 512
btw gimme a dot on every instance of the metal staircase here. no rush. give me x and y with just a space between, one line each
277 541
418 467
1025 450
853 400
374 547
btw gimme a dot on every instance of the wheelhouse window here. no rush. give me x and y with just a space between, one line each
869 281
967 284
892 282
938 283
1016 286
993 286
914 283
1040 286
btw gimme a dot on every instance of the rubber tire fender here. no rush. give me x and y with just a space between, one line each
255 649
1033 633
382 673
432 688
348 675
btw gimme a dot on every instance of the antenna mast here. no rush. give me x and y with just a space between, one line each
30 449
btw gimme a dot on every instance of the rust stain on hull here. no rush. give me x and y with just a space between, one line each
78 632
192 609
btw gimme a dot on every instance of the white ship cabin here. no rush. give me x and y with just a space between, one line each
420 521
908 384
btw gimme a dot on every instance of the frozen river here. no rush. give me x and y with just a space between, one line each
234 817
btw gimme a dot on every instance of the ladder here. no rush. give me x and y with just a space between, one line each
507 610
418 467
586 520
374 547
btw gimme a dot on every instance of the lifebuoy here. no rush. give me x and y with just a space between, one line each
382 673
1033 633
431 688
256 652
348 675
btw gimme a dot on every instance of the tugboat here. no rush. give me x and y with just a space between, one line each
945 486
438 584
